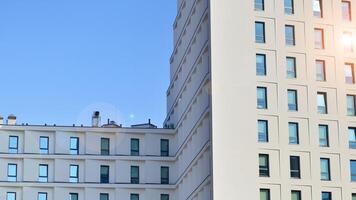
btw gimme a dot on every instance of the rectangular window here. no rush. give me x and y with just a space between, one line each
353 196
352 138
294 166
291 67
320 70
104 196
322 103
13 144
293 129
319 38
74 173
289 7
105 146
73 196
42 196
289 35
260 32
135 147
264 165
351 105
323 135
135 174
296 195
261 65
164 175
134 197
43 173
44 144
292 100
264 194
262 130
348 41
324 169
353 170
164 147
12 172
164 196
74 145
346 10
318 8
104 174
259 5
326 196
261 98
349 73
11 196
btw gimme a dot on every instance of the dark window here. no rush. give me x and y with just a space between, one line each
73 196
11 196
262 130
135 147
349 73
104 196
296 195
352 138
74 145
326 196
104 174
351 110
260 32
353 196
318 8
134 197
320 70
264 194
325 169
323 135
13 144
259 5
74 173
292 100
294 166
43 173
164 147
44 144
264 165
289 7
12 172
293 129
42 196
322 103
164 196
261 98
346 10
290 35
164 175
291 67
135 174
105 146
353 170
261 64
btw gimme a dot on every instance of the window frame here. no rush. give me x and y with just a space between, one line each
319 62
134 152
75 178
73 194
44 150
266 138
326 134
288 39
352 69
264 171
298 192
11 177
268 192
328 178
104 178
321 7
42 193
327 193
265 100
322 38
75 150
8 193
106 196
263 56
256 8
164 153
289 10
296 125
11 149
164 171
353 108
295 173
103 150
41 178
349 11
134 196
292 107
262 39
135 180
294 62
324 95
352 143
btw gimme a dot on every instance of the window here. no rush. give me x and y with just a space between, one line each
261 65
325 169
12 172
289 35
164 196
348 42
351 111
293 129
291 67
261 98
264 165
353 196
105 146
294 166
318 8
135 147
164 175
296 195
135 174
74 145
264 194
353 170
320 70
323 135
43 173
164 147
13 144
44 144
292 100
322 103
134 197
260 32
42 196
73 196
104 174
326 196
319 38
346 10
74 173
262 130
349 73
259 5
352 138
104 196
289 7
11 196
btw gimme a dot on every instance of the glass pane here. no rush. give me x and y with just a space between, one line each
261 98
324 168
349 74
42 196
353 170
289 34
264 194
260 31
325 196
105 146
320 70
259 4
346 10
73 196
323 136
295 195
317 8
262 131
293 133
134 197
292 100
11 196
260 64
291 68
318 37
104 196
321 101
288 7
350 105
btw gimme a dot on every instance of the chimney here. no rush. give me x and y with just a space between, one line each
96 119
11 120
1 120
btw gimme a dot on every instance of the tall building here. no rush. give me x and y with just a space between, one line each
261 105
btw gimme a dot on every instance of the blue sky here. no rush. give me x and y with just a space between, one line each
62 59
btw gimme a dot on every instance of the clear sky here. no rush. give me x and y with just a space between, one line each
62 59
